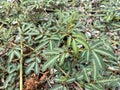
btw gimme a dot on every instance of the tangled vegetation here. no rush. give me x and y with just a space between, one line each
59 44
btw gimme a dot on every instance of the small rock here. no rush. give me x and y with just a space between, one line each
52 71
17 39
88 34
96 32
51 81
15 22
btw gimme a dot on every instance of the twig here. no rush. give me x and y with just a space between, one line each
80 88
113 69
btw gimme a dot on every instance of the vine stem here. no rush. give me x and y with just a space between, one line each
21 60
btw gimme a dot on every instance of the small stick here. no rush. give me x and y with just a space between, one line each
69 76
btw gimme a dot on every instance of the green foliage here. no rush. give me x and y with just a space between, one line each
52 33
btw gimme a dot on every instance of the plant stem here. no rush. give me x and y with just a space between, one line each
21 61
21 71
69 76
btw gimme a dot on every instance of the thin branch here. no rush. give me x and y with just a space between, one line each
80 88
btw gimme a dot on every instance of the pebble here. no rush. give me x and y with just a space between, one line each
17 39
95 32
15 22
88 34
